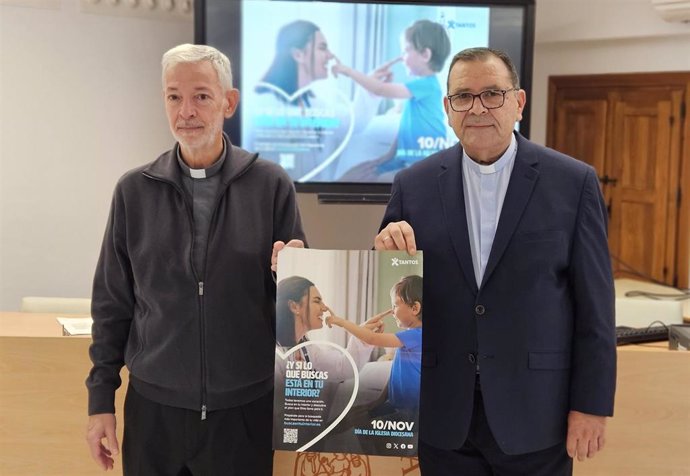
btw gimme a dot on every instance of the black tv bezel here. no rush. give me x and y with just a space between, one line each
359 192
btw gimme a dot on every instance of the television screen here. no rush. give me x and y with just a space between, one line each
345 94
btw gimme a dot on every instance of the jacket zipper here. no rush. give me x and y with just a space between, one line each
200 282
201 301
203 350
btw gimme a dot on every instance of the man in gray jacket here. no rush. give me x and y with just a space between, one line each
183 292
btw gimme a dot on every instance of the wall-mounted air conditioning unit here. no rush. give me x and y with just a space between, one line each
673 10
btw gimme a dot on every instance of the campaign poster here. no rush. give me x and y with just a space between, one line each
348 351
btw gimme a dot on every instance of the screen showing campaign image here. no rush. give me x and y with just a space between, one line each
323 127
345 93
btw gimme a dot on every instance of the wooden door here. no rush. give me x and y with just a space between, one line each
641 184
581 131
631 129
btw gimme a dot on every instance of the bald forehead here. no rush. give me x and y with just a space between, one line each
489 73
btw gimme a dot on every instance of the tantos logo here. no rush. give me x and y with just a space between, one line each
398 261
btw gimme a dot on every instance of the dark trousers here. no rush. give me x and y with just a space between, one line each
481 455
160 440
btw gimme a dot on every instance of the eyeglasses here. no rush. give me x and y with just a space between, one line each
490 99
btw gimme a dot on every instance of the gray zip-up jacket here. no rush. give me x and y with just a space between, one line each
198 342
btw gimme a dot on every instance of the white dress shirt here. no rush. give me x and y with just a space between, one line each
485 189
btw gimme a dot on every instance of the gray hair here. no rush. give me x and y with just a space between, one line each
188 53
483 54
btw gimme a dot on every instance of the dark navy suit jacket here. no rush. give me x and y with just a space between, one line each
540 326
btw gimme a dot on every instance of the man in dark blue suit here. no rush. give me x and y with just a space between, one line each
519 357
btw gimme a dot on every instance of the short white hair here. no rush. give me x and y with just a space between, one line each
188 53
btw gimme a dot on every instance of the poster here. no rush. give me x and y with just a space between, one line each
348 351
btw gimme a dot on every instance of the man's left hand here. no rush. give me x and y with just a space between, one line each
279 245
585 435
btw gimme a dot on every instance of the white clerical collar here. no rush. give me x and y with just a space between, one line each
202 173
497 166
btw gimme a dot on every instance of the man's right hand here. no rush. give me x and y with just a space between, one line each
279 246
102 426
398 235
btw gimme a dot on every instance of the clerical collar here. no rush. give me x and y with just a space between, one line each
202 173
497 166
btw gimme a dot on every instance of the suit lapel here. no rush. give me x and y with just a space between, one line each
522 180
452 193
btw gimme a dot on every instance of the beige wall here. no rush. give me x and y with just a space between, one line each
80 104
339 226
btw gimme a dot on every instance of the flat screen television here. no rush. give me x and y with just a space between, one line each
337 134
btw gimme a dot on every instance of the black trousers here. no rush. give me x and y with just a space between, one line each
160 440
480 455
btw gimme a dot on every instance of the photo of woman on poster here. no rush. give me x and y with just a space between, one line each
300 309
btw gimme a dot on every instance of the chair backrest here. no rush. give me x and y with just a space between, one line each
59 305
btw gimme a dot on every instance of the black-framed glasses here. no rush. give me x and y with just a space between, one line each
490 99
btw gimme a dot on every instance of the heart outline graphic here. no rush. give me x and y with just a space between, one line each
290 98
355 389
